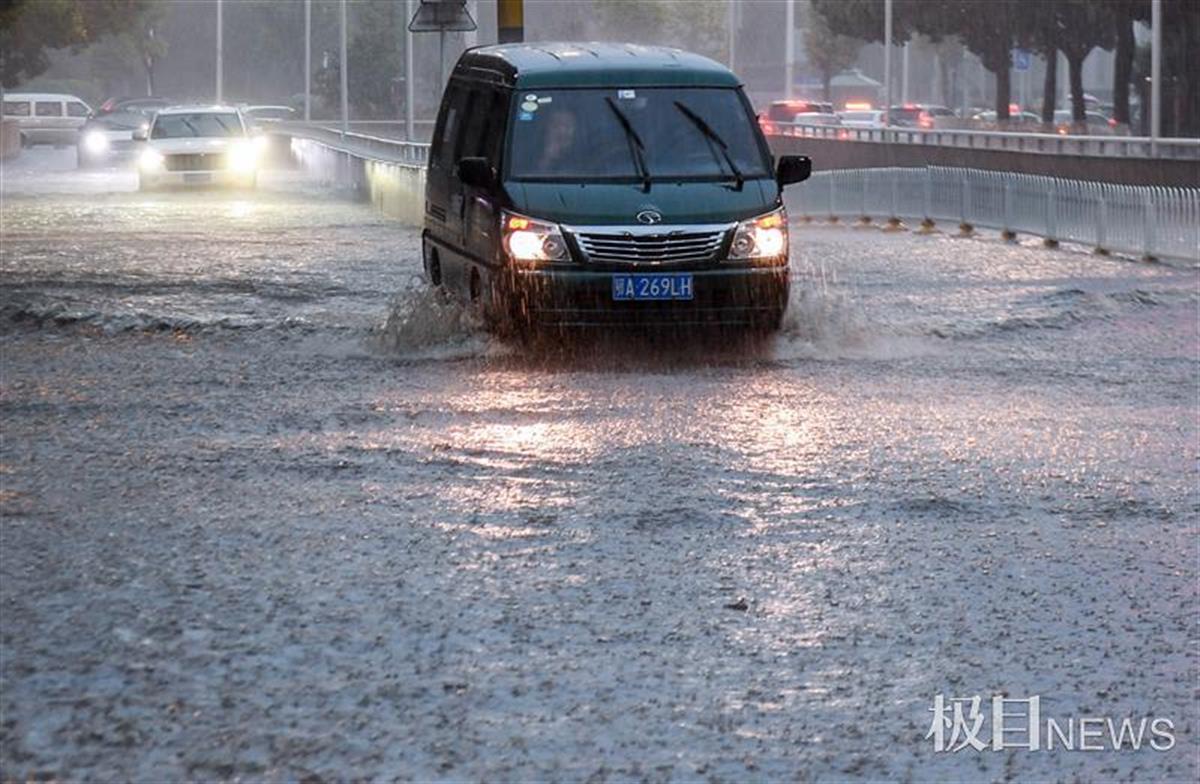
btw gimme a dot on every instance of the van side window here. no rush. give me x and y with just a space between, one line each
496 126
476 123
48 109
443 140
485 126
16 108
77 109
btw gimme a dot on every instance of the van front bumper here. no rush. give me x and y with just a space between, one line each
561 297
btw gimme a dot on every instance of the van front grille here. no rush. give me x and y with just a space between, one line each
660 245
196 161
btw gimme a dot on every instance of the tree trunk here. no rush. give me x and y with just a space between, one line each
1050 85
1143 91
827 85
1122 69
1075 68
1003 90
149 76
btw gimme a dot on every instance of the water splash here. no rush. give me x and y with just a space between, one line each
424 322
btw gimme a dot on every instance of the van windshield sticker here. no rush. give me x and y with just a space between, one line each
529 106
531 97
626 95
545 99
525 116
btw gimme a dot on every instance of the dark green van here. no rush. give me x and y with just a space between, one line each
580 185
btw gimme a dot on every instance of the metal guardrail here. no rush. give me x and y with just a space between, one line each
1148 221
362 145
1039 143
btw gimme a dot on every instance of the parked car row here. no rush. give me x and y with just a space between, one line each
106 134
782 118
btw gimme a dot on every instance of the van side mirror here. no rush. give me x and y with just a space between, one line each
475 171
139 134
793 168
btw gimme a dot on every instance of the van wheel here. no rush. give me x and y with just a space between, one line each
433 266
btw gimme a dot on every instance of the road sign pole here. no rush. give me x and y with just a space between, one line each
410 90
789 67
307 60
887 62
220 52
1155 74
345 76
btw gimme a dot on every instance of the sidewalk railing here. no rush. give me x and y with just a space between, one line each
1038 143
1147 221
362 145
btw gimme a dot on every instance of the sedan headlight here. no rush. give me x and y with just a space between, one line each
526 239
95 142
243 156
151 160
764 237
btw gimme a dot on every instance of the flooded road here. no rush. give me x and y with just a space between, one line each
272 510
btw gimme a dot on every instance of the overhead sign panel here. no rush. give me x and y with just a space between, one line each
441 16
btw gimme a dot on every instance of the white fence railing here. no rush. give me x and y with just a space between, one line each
1149 221
363 145
1038 143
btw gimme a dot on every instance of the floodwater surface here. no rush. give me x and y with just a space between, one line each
272 508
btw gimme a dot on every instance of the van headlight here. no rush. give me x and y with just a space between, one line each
243 157
95 142
526 239
764 237
151 160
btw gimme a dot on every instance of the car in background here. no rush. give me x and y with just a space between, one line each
107 137
862 118
782 112
268 114
46 118
1095 123
147 105
192 146
805 123
1017 121
918 115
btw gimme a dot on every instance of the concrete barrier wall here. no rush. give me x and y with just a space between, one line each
10 139
832 154
395 189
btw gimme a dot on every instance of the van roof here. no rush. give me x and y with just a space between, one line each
591 64
42 97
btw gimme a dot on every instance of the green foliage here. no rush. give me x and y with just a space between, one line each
700 26
375 61
30 29
828 51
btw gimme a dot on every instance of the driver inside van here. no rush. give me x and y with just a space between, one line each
558 140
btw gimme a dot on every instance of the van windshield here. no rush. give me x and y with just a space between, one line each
667 133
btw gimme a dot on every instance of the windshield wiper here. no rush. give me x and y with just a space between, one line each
636 148
713 136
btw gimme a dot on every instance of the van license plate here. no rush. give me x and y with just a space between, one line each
662 286
202 177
